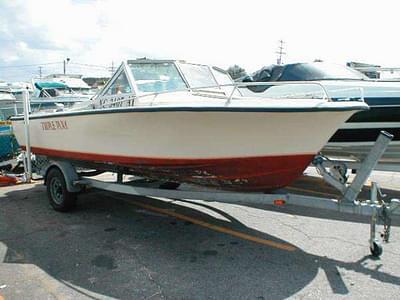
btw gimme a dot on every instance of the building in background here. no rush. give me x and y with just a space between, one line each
368 69
376 71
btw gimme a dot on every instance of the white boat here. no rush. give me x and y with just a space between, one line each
9 106
56 95
17 88
74 82
179 122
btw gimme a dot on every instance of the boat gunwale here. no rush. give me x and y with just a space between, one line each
132 109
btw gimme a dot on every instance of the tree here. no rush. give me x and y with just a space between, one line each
236 71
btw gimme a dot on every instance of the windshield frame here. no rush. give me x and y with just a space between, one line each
215 84
122 68
155 62
125 67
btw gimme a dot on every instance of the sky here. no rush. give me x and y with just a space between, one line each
94 34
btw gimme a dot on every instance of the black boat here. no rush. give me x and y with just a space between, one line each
355 139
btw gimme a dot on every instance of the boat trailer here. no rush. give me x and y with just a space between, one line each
64 181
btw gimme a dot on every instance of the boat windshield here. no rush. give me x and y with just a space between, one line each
198 75
224 79
221 76
157 77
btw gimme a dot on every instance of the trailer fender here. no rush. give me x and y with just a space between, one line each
69 173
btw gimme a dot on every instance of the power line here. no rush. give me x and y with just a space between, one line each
14 72
89 65
55 63
31 65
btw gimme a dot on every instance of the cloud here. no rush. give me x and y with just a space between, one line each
43 31
221 32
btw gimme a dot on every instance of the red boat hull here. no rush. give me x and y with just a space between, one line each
247 174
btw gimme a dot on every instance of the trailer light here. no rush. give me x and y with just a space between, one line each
279 202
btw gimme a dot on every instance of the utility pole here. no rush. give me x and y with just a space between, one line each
40 72
112 68
280 52
65 63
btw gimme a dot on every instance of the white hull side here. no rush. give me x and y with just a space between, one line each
186 134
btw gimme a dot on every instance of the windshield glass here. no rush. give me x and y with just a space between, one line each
157 77
319 71
198 76
223 78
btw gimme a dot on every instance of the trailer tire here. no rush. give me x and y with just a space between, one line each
59 197
376 249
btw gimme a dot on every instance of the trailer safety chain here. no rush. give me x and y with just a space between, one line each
384 214
387 222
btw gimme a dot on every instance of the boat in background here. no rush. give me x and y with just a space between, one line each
74 82
17 89
48 95
180 122
9 148
45 96
9 105
355 138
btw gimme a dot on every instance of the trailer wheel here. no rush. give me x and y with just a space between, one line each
59 197
376 249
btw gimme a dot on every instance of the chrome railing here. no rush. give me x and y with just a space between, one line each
278 83
216 91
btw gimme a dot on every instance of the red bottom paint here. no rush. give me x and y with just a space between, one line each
251 174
